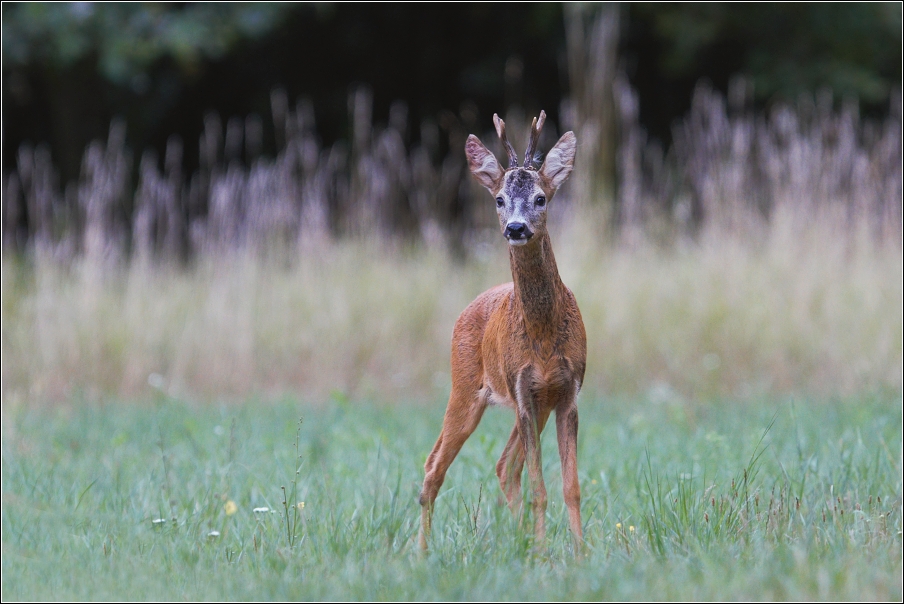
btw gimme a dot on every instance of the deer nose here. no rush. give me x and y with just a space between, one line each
517 230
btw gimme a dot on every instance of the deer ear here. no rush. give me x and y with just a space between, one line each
559 161
483 165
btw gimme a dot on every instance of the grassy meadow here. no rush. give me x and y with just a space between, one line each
777 498
741 425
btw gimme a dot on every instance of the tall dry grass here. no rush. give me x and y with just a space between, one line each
730 169
799 309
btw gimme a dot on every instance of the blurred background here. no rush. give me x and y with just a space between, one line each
218 200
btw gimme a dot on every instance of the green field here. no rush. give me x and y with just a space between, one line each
777 498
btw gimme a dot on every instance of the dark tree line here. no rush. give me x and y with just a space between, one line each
68 69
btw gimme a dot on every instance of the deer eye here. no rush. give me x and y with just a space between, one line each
541 201
500 202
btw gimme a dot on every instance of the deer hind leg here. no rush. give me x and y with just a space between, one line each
511 465
567 433
461 419
509 468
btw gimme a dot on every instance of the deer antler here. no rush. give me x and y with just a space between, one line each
500 130
535 129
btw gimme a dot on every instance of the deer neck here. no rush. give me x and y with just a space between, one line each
538 288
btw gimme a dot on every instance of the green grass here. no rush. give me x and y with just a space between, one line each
769 499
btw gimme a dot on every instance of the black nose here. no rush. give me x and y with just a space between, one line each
516 230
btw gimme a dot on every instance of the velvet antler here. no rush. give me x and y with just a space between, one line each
534 139
500 130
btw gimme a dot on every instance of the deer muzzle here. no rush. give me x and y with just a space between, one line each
517 233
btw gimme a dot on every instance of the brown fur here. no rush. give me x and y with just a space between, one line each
521 345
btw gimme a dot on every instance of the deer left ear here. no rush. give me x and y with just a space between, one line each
559 161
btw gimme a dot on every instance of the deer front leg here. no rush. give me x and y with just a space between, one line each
567 433
461 419
529 427
529 435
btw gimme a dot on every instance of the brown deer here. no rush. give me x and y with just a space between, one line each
522 344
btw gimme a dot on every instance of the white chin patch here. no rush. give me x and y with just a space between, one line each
517 241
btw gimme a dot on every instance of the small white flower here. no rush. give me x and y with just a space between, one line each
261 510
213 534
159 521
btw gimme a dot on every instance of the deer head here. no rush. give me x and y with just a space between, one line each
522 193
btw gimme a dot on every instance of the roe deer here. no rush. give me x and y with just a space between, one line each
521 344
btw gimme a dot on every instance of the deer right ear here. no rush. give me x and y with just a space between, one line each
483 165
